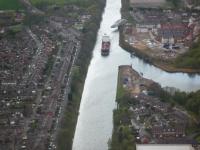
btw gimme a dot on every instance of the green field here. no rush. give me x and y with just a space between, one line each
41 2
36 2
190 59
10 4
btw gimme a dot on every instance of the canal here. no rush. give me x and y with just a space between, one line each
94 126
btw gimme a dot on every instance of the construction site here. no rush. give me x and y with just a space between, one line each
161 33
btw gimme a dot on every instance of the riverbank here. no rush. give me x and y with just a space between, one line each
68 123
139 102
168 66
122 137
157 63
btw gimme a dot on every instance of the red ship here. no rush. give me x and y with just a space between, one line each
105 47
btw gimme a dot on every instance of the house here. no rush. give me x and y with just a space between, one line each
128 29
168 132
167 39
173 33
19 17
145 27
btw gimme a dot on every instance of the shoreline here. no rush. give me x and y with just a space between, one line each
152 61
71 111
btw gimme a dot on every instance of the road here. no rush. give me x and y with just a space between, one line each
64 70
30 8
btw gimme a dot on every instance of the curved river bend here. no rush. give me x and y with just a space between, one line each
94 126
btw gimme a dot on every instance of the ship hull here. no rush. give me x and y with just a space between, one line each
105 46
104 53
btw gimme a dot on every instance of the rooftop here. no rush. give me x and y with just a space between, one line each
163 147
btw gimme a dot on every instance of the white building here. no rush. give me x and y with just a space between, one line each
143 28
169 40
163 147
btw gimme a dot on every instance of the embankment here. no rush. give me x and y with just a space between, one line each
168 67
68 122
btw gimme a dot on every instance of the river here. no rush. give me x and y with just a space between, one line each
94 126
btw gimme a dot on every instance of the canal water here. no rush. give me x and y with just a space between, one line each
94 126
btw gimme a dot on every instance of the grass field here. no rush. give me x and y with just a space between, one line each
10 4
39 2
190 59
36 2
